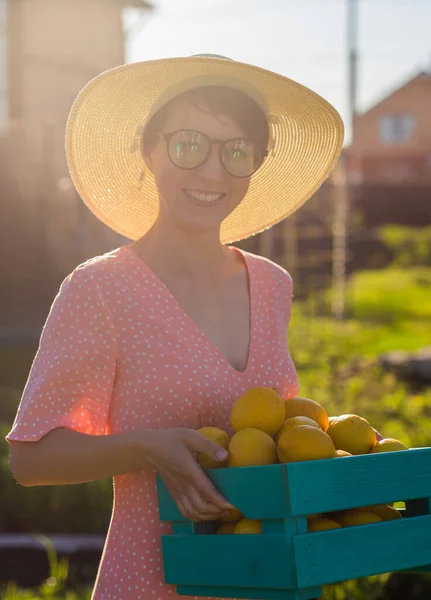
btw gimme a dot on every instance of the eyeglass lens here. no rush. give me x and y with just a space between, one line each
189 149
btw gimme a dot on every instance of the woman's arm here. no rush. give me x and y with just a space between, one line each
64 456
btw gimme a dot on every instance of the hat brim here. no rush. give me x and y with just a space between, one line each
108 170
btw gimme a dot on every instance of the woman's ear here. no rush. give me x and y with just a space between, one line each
147 155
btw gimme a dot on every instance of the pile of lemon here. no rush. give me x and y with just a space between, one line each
270 430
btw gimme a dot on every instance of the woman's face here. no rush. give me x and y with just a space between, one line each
197 199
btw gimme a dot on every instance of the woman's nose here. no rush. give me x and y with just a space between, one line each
212 168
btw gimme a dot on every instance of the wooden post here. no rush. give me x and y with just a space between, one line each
339 232
290 257
266 243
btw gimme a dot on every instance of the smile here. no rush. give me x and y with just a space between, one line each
206 197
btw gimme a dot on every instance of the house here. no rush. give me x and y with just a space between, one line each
392 140
389 159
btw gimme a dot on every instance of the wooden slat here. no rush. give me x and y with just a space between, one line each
336 484
258 492
264 561
249 593
342 554
424 569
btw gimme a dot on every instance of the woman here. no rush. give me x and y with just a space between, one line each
153 340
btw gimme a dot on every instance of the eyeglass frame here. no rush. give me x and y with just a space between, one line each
167 137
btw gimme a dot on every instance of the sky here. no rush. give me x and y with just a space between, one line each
305 40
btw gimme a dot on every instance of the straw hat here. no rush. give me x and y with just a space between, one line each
108 116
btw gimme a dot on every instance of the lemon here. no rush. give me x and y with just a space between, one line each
304 443
248 526
342 453
293 422
321 524
250 447
261 408
356 516
304 407
352 433
218 436
384 511
388 445
226 528
234 515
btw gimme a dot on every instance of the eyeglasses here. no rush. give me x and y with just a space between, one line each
188 149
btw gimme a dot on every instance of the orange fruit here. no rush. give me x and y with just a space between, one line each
352 433
304 407
251 446
293 422
355 516
248 526
384 511
342 453
261 408
304 443
226 528
388 445
234 515
321 524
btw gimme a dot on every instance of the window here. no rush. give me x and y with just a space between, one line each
395 129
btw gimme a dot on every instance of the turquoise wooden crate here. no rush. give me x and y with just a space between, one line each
286 562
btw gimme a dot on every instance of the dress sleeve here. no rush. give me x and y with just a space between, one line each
72 376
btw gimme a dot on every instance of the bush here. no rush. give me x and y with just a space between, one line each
411 246
392 296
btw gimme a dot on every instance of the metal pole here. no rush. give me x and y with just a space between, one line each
342 188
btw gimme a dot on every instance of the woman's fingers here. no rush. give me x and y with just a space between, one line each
201 506
190 500
208 492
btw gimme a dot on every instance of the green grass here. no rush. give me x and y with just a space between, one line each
392 295
54 588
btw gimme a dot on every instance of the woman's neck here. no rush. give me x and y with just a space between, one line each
194 255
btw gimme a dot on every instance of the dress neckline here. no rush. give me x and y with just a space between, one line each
143 265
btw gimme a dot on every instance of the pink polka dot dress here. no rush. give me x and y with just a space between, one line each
118 353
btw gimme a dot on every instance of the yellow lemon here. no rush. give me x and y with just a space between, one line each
234 515
321 524
355 516
304 443
250 447
342 453
304 407
261 408
352 433
384 511
293 422
218 436
226 528
248 526
388 445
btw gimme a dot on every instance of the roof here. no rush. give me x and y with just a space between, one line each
394 91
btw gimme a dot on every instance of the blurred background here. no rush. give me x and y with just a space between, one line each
359 251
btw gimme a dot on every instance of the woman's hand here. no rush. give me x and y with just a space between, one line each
172 453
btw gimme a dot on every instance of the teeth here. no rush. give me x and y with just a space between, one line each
203 197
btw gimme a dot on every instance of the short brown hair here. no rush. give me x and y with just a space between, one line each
219 100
